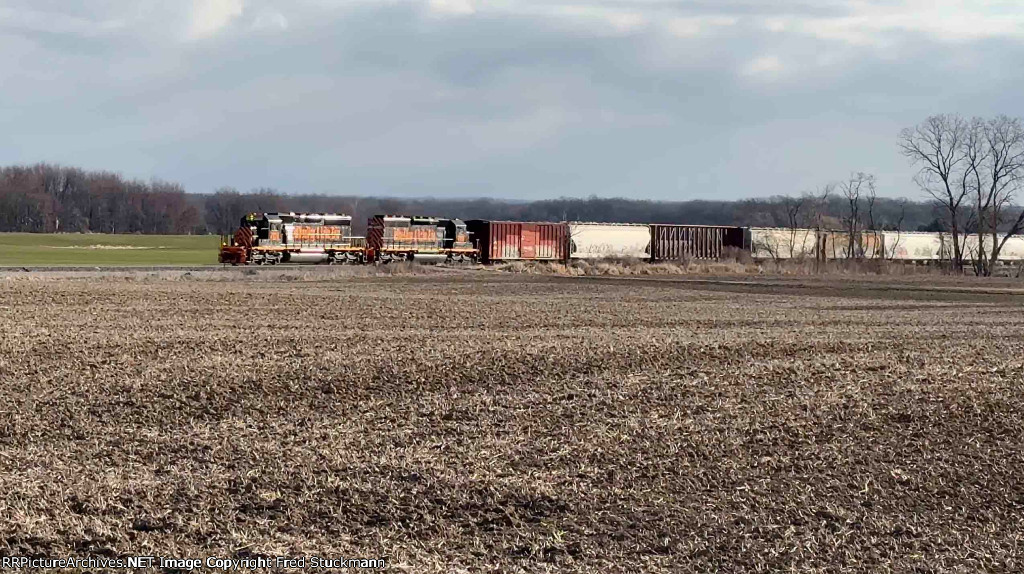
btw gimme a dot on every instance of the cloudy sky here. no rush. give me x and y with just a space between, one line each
525 99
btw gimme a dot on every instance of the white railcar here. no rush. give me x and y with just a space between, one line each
916 246
600 240
1013 249
782 243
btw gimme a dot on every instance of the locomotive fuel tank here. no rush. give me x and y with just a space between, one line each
306 257
429 258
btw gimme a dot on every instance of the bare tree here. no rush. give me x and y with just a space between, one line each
995 152
852 189
875 234
937 147
872 197
899 233
793 207
817 219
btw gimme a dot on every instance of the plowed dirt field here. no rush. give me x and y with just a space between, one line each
483 422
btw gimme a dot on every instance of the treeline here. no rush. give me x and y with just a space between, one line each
49 198
224 207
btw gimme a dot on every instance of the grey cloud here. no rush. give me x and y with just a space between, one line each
387 98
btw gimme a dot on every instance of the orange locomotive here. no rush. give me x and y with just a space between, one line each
272 238
424 239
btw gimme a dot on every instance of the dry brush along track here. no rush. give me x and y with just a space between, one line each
497 423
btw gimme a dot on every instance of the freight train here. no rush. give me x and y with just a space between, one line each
271 238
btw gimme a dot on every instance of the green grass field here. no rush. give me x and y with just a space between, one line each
97 249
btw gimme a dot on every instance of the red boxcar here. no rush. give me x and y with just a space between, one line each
513 240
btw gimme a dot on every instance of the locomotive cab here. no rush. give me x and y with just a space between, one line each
455 234
267 229
457 241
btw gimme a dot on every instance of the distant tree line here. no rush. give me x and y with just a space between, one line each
223 209
51 198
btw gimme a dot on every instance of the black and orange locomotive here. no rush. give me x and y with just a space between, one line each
272 238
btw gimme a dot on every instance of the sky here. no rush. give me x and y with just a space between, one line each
514 99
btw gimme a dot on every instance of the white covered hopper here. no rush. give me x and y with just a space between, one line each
597 240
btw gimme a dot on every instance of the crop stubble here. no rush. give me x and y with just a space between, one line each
498 423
